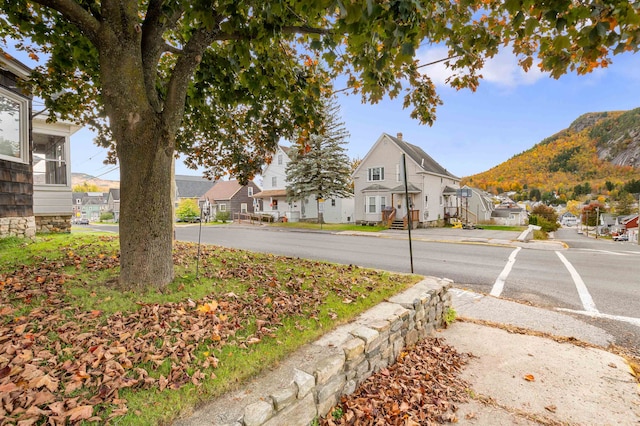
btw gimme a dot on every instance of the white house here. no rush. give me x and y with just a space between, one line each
380 190
272 199
52 174
476 208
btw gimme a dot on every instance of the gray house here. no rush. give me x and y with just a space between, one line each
35 174
16 172
192 187
478 208
379 190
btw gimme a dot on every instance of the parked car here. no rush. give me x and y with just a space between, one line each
621 237
82 221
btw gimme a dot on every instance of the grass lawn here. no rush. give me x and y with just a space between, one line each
336 227
75 347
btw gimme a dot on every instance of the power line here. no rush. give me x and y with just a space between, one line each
102 174
90 157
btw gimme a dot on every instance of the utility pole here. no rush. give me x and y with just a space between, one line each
597 220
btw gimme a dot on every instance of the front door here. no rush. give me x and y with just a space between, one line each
401 206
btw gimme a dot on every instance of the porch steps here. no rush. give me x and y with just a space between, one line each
397 224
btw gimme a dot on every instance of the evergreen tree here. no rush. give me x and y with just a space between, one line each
321 168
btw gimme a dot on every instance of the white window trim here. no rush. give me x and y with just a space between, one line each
23 121
67 157
370 174
378 204
250 191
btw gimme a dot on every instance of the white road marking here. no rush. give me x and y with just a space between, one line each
630 320
498 286
583 293
465 293
615 253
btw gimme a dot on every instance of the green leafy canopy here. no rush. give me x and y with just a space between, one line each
255 70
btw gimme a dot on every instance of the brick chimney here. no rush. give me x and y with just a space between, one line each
399 135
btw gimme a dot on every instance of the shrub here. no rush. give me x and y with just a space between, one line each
222 216
106 216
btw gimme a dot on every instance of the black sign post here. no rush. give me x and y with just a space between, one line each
406 196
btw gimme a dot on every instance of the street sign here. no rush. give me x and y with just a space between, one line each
464 192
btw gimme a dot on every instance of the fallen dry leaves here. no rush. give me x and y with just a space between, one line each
62 365
421 388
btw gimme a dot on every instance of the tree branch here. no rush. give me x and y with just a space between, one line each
304 29
182 72
152 47
171 49
78 16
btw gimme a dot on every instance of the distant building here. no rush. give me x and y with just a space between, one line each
230 196
191 187
272 200
89 205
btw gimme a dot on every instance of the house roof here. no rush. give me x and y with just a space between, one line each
286 149
9 63
376 187
423 159
411 189
449 190
632 222
483 197
223 190
192 186
271 193
506 212
115 193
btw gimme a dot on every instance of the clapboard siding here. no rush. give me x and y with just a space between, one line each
52 201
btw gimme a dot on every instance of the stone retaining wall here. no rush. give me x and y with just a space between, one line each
53 224
20 227
350 354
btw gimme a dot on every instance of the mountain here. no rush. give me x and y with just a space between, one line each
102 184
596 148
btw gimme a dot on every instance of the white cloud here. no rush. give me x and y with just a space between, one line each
502 70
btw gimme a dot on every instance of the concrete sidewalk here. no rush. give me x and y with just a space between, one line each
527 380
514 378
464 236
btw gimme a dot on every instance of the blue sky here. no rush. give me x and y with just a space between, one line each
474 131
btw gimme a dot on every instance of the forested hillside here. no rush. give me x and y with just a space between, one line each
599 152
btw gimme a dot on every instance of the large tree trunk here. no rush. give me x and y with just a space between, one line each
146 226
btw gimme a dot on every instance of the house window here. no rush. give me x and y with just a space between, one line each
375 204
274 204
222 207
250 191
398 177
49 160
243 207
274 181
441 200
14 127
279 159
333 203
372 205
376 173
79 201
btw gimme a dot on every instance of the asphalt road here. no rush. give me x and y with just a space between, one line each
597 281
